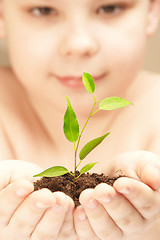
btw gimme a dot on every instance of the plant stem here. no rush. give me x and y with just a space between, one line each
95 112
75 160
71 174
76 148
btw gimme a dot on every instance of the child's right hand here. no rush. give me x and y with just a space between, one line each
38 215
29 215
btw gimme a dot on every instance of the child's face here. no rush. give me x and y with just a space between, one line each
49 39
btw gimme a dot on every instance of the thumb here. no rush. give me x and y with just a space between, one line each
12 170
140 165
148 168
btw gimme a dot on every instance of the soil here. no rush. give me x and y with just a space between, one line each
73 187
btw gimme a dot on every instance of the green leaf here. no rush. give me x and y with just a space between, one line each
71 126
53 172
88 82
112 103
91 145
87 167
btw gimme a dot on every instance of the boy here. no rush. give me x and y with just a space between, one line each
51 43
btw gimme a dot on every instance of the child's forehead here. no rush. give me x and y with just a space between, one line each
79 2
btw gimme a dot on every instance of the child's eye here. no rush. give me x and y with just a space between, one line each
43 11
110 9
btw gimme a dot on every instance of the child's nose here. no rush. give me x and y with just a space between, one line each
78 42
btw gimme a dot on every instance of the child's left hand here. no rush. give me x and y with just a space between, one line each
129 208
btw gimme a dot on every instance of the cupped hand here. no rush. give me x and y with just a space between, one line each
126 210
38 215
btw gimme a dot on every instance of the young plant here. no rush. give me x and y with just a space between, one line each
71 130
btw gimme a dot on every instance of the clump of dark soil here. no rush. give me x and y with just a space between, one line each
73 187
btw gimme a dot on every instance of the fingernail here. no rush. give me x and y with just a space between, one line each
21 192
105 199
156 179
41 205
91 204
125 190
82 216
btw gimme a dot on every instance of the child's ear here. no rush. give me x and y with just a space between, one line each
153 17
2 25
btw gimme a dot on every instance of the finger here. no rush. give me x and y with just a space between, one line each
11 197
29 213
125 216
68 230
150 175
82 225
98 217
144 199
50 225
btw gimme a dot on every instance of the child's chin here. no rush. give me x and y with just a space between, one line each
83 109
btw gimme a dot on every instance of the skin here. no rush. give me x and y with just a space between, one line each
129 208
47 215
32 100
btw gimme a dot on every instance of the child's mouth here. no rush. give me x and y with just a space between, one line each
74 81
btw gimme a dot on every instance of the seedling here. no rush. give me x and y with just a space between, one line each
71 130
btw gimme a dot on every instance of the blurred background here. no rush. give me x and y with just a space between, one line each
151 63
